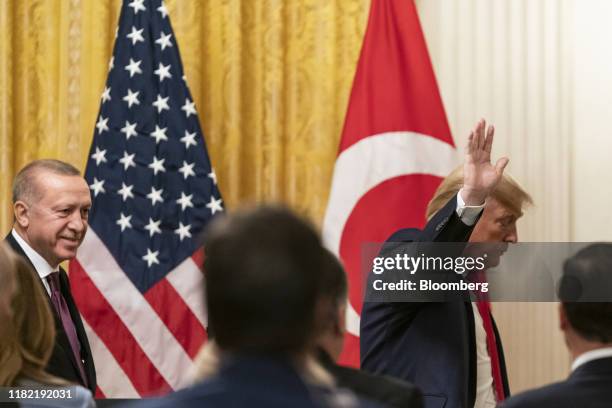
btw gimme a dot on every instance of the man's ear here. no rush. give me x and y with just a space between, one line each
22 214
340 325
563 322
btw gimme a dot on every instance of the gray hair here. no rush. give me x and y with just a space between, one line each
24 185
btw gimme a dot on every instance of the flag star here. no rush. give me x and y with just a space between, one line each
161 103
213 176
124 222
187 169
137 5
132 98
164 40
151 257
163 10
136 35
111 63
102 124
127 160
183 231
157 165
163 72
155 195
99 156
129 129
189 107
126 191
97 187
185 201
153 227
214 205
189 139
159 135
106 94
134 67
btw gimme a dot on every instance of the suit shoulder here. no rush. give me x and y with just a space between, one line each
558 395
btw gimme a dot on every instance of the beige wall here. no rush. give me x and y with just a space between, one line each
541 71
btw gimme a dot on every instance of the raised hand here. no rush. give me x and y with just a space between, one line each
480 177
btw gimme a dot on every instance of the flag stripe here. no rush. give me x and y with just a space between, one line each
162 349
177 316
111 377
115 335
188 281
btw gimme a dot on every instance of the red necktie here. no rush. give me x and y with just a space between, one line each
484 308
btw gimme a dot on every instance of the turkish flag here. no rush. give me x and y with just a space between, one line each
395 149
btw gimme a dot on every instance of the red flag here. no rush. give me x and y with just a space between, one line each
396 147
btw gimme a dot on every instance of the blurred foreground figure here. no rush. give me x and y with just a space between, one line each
587 328
262 280
27 338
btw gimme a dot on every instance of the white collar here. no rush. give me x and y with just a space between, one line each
591 355
40 264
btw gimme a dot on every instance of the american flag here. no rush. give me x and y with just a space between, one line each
136 278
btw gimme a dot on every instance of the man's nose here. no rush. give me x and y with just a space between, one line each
77 223
512 235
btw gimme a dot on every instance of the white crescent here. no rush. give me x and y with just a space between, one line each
370 162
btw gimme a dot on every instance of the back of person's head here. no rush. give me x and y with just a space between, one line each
508 192
29 335
262 281
586 278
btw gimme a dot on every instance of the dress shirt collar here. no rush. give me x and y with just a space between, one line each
591 355
40 264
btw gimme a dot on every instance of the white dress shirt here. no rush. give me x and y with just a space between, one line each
584 358
41 266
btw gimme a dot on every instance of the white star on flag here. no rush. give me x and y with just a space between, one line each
111 64
185 201
133 67
153 227
151 257
129 129
157 165
164 40
187 170
97 187
106 94
99 156
189 107
132 98
155 195
124 222
163 10
189 139
214 205
159 134
163 71
126 191
137 6
127 160
102 124
183 231
136 35
161 103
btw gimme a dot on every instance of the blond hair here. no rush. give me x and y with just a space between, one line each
508 192
27 342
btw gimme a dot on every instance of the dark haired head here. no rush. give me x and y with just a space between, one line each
585 292
262 281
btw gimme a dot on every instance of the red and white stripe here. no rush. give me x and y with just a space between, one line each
142 345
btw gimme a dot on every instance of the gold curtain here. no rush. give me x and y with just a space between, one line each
270 78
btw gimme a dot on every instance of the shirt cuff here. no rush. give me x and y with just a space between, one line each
468 214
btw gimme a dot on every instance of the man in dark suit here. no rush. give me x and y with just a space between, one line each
389 391
587 328
450 350
262 284
51 203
